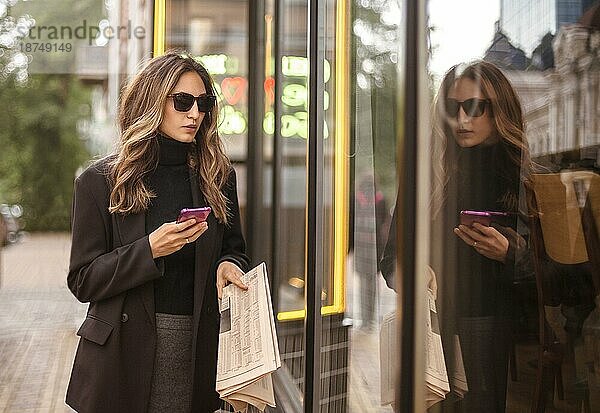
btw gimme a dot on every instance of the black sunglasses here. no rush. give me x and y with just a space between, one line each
182 102
473 107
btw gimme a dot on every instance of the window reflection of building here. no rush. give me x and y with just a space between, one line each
577 50
559 102
526 22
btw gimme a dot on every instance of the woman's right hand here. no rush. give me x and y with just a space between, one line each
172 236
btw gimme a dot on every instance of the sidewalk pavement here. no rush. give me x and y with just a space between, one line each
38 320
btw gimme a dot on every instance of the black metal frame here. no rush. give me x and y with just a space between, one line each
277 159
314 237
407 194
256 99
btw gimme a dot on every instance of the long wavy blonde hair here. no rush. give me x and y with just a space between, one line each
136 155
509 126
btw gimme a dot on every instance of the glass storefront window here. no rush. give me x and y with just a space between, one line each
293 135
376 30
216 32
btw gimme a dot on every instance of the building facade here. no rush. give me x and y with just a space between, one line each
561 103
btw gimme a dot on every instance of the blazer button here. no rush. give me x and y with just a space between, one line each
124 317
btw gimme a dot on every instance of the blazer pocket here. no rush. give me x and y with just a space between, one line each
95 330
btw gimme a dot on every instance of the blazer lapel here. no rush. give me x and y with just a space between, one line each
130 228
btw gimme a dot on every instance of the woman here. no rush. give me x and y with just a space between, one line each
149 341
484 165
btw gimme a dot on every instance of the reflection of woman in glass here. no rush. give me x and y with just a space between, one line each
483 165
149 342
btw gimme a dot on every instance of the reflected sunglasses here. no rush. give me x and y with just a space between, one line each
473 107
182 102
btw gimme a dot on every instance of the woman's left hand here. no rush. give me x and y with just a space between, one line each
228 272
487 241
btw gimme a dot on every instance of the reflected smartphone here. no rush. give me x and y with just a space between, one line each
199 213
482 217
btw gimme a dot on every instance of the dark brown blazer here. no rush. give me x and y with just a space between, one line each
112 268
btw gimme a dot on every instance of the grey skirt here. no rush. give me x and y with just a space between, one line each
172 376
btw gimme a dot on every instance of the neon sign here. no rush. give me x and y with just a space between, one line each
296 66
291 125
232 91
233 122
295 95
220 64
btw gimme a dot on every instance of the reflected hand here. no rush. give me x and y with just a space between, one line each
228 272
487 241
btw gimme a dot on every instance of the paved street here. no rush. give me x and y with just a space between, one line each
39 317
38 320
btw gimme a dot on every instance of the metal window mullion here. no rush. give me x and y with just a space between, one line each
254 162
277 156
314 214
407 198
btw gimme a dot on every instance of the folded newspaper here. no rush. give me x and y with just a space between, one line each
248 349
436 376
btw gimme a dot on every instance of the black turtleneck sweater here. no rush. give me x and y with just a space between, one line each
174 291
485 175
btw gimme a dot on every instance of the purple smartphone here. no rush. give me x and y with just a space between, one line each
482 217
199 213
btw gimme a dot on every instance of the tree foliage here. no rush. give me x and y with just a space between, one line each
40 146
40 142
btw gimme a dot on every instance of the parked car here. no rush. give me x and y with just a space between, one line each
10 217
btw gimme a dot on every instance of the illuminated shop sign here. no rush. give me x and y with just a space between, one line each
220 64
233 92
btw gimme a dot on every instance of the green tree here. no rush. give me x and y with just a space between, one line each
40 146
